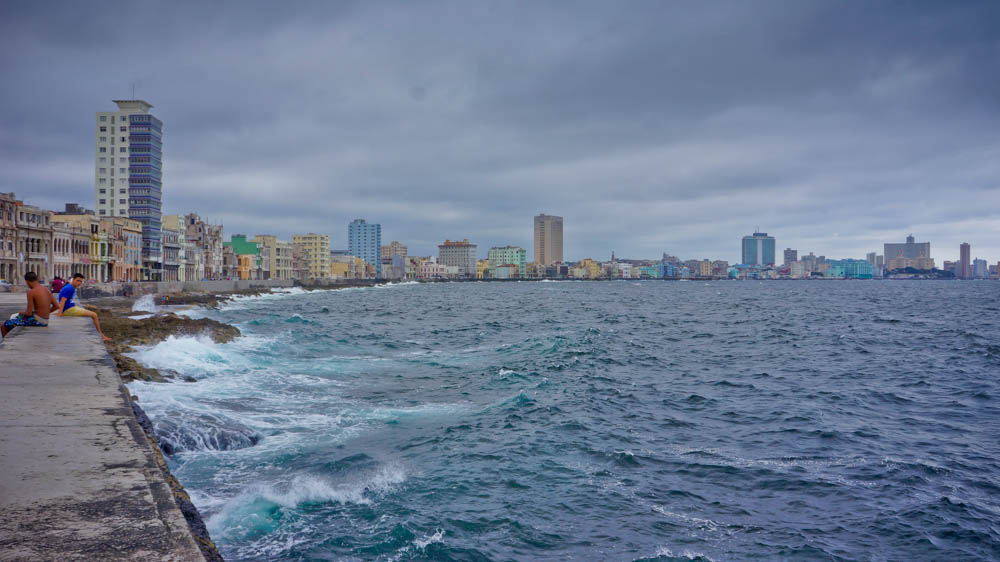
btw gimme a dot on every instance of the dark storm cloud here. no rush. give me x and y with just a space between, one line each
650 127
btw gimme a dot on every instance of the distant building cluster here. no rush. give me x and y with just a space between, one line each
128 239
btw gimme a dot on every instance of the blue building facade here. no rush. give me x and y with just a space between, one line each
145 165
758 249
850 269
364 240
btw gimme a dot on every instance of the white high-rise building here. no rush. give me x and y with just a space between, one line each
111 158
128 173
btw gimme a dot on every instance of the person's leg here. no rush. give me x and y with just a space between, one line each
9 325
97 323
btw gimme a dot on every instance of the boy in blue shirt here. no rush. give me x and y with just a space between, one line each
69 308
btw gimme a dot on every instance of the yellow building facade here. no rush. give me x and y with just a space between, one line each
315 251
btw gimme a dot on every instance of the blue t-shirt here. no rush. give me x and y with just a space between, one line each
67 293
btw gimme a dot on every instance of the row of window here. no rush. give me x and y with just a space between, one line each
103 150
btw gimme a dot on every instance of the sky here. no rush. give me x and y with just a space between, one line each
651 127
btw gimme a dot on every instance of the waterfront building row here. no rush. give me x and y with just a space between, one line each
62 243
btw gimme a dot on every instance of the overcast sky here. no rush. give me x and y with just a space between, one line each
651 127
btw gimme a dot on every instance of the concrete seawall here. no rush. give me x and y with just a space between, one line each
162 287
78 478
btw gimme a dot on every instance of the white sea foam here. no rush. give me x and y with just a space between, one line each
689 554
436 537
258 499
193 312
379 414
239 302
141 316
396 285
188 355
145 303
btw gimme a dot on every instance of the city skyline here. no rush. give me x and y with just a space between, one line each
623 122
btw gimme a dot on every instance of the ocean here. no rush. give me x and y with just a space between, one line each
593 421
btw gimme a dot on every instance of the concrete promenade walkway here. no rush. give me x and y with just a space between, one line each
78 479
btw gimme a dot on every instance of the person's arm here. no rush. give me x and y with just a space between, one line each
62 303
31 306
53 305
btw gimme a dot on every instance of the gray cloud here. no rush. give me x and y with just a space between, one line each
649 126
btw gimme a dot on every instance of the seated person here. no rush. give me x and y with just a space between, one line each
40 304
69 308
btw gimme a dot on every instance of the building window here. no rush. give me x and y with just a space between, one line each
102 159
122 191
122 129
103 201
102 180
104 139
102 211
123 138
102 149
122 149
121 170
103 190
104 118
121 201
104 129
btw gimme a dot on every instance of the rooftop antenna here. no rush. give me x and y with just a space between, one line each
133 90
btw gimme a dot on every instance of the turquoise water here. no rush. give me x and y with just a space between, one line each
593 421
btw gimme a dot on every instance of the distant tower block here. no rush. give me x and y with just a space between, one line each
548 239
128 174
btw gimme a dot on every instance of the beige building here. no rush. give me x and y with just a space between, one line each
8 238
278 254
482 269
315 251
34 240
94 264
348 267
705 268
548 239
207 242
394 249
61 260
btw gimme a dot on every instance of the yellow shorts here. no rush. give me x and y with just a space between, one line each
75 311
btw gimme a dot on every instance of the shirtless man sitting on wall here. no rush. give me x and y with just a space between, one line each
40 304
69 308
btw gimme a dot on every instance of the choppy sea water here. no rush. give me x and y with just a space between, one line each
594 421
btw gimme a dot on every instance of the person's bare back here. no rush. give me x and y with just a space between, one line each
41 302
40 305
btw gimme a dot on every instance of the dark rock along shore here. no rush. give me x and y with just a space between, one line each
126 332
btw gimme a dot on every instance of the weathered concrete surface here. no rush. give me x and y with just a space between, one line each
78 479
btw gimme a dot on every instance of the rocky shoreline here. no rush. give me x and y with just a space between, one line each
126 332
117 322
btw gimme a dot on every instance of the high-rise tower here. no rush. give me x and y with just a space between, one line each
548 239
965 261
758 249
128 174
364 240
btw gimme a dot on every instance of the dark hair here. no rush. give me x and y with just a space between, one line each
31 277
75 275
